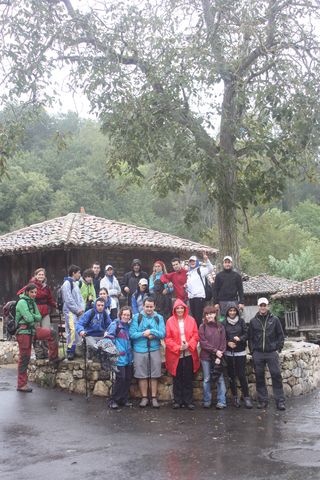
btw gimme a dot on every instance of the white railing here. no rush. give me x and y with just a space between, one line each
292 320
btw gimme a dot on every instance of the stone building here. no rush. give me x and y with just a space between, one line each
81 239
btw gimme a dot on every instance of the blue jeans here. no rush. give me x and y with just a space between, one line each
221 386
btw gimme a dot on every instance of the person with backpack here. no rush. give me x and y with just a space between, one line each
97 277
73 308
196 285
110 282
129 283
213 345
235 354
182 359
159 269
28 319
139 295
118 332
87 288
146 331
93 325
45 302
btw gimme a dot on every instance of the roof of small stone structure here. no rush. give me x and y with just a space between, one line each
83 230
265 284
301 289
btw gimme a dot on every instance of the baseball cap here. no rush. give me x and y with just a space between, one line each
108 266
263 300
143 281
227 257
193 257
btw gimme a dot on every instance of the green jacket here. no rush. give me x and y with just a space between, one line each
88 293
27 313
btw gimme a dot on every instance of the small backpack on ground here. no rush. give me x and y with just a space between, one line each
206 285
60 296
9 314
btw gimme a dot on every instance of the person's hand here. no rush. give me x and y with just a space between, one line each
126 289
236 339
151 337
170 285
80 313
241 306
82 334
165 291
217 361
146 333
219 353
232 344
205 257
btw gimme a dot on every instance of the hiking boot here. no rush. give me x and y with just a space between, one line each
113 405
191 406
144 402
25 389
70 356
281 405
207 405
261 405
247 402
128 404
155 403
236 402
55 362
176 405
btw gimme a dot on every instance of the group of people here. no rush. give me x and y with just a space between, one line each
193 333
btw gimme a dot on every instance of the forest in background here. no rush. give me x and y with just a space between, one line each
61 166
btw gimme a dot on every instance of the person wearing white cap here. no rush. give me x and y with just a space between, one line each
110 282
228 287
196 277
139 295
266 339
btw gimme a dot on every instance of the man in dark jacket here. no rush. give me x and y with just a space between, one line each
131 279
228 287
266 339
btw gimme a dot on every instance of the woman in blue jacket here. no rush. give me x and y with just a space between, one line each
118 332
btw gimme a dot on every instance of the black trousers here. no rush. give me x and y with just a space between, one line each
183 381
236 367
121 386
261 359
196 307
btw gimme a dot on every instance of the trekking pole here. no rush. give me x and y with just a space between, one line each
182 372
149 372
85 366
60 334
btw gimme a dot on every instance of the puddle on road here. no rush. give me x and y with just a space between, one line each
4 386
302 457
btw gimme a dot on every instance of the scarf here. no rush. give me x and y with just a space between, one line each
233 321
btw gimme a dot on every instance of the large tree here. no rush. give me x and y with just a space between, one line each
224 93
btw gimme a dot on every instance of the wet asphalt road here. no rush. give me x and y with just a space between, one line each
51 435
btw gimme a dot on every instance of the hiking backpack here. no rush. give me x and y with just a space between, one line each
9 314
60 296
206 285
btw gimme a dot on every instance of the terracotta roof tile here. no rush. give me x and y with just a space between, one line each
82 230
265 284
301 289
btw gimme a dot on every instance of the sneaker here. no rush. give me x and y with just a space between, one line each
261 405
221 406
207 405
247 402
25 389
128 404
176 405
191 406
113 405
155 403
70 356
236 402
144 402
281 405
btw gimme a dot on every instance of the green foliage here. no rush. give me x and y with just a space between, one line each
300 266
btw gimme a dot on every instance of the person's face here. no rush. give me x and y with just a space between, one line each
263 308
211 317
192 263
96 269
157 267
232 312
32 293
125 316
103 294
88 279
77 275
148 308
40 276
143 287
136 267
176 266
100 306
180 311
227 265
110 271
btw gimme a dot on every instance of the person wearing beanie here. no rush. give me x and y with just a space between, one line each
129 283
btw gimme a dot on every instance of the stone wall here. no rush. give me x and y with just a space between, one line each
300 364
9 353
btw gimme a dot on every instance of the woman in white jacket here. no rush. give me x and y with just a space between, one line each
110 282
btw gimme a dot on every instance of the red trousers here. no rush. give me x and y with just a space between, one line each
25 343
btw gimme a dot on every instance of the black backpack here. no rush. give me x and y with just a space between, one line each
206 285
9 314
60 297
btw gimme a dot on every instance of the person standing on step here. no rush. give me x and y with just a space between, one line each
235 355
131 279
177 279
266 340
96 267
196 278
228 287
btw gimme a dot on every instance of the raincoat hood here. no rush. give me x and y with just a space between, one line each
180 303
95 304
232 305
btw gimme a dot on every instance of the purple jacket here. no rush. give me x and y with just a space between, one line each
212 338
